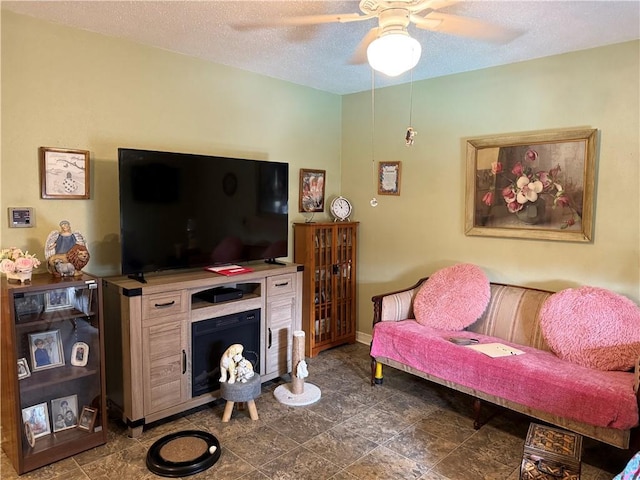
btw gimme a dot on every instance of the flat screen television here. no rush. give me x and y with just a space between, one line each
180 211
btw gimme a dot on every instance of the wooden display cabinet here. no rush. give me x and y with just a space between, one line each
328 252
52 368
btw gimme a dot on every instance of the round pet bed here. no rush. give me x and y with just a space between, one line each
183 453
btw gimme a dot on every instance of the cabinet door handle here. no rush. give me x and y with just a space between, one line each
184 362
283 284
163 305
269 339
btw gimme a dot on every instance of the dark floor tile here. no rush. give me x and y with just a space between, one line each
299 464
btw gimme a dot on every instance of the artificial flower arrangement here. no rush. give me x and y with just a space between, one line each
14 260
528 185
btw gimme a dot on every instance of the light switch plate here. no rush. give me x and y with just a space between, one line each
21 217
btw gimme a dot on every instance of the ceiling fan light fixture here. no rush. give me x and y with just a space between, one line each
394 53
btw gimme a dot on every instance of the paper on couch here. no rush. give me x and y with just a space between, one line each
495 349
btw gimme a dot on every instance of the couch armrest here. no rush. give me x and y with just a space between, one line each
394 306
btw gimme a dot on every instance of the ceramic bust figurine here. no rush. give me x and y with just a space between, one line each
66 251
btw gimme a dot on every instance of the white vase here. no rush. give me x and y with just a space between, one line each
22 276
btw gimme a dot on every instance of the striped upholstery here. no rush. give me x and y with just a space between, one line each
398 306
512 314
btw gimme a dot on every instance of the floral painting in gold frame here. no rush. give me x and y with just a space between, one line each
537 185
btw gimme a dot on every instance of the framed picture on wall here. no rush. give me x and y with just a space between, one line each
389 178
64 173
312 190
537 185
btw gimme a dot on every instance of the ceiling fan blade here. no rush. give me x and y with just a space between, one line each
438 4
302 20
463 26
360 54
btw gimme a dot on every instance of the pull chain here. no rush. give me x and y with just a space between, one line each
374 200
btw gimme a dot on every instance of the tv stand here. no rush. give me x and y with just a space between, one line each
138 277
273 261
148 327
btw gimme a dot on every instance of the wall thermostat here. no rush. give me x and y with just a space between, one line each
21 217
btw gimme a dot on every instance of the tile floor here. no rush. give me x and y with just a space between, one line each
407 428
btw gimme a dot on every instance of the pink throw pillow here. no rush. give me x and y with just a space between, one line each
452 298
592 327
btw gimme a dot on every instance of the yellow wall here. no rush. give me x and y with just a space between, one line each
68 88
422 230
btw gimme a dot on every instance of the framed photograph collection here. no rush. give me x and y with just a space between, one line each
62 414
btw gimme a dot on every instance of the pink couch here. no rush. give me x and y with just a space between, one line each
599 404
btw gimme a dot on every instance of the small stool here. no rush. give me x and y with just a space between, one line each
240 392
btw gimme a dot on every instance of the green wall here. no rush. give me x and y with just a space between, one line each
414 234
68 88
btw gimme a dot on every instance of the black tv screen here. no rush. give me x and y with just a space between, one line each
180 210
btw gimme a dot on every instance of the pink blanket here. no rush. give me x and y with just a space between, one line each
536 379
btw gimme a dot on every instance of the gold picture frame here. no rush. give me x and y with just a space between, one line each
64 173
537 185
389 174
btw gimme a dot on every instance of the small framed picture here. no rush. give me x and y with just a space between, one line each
64 411
79 354
311 190
87 418
64 173
46 350
23 369
28 433
389 178
29 304
57 300
37 417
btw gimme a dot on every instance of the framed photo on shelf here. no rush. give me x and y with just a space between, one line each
46 350
29 304
389 178
79 354
311 190
87 418
57 300
64 173
23 369
64 411
37 419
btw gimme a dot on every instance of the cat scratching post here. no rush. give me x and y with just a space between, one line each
298 393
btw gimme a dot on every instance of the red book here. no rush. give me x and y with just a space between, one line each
229 270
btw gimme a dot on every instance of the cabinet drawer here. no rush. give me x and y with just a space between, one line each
281 284
162 304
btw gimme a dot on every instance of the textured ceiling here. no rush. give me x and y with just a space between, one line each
318 56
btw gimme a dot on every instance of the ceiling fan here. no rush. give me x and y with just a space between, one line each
388 47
